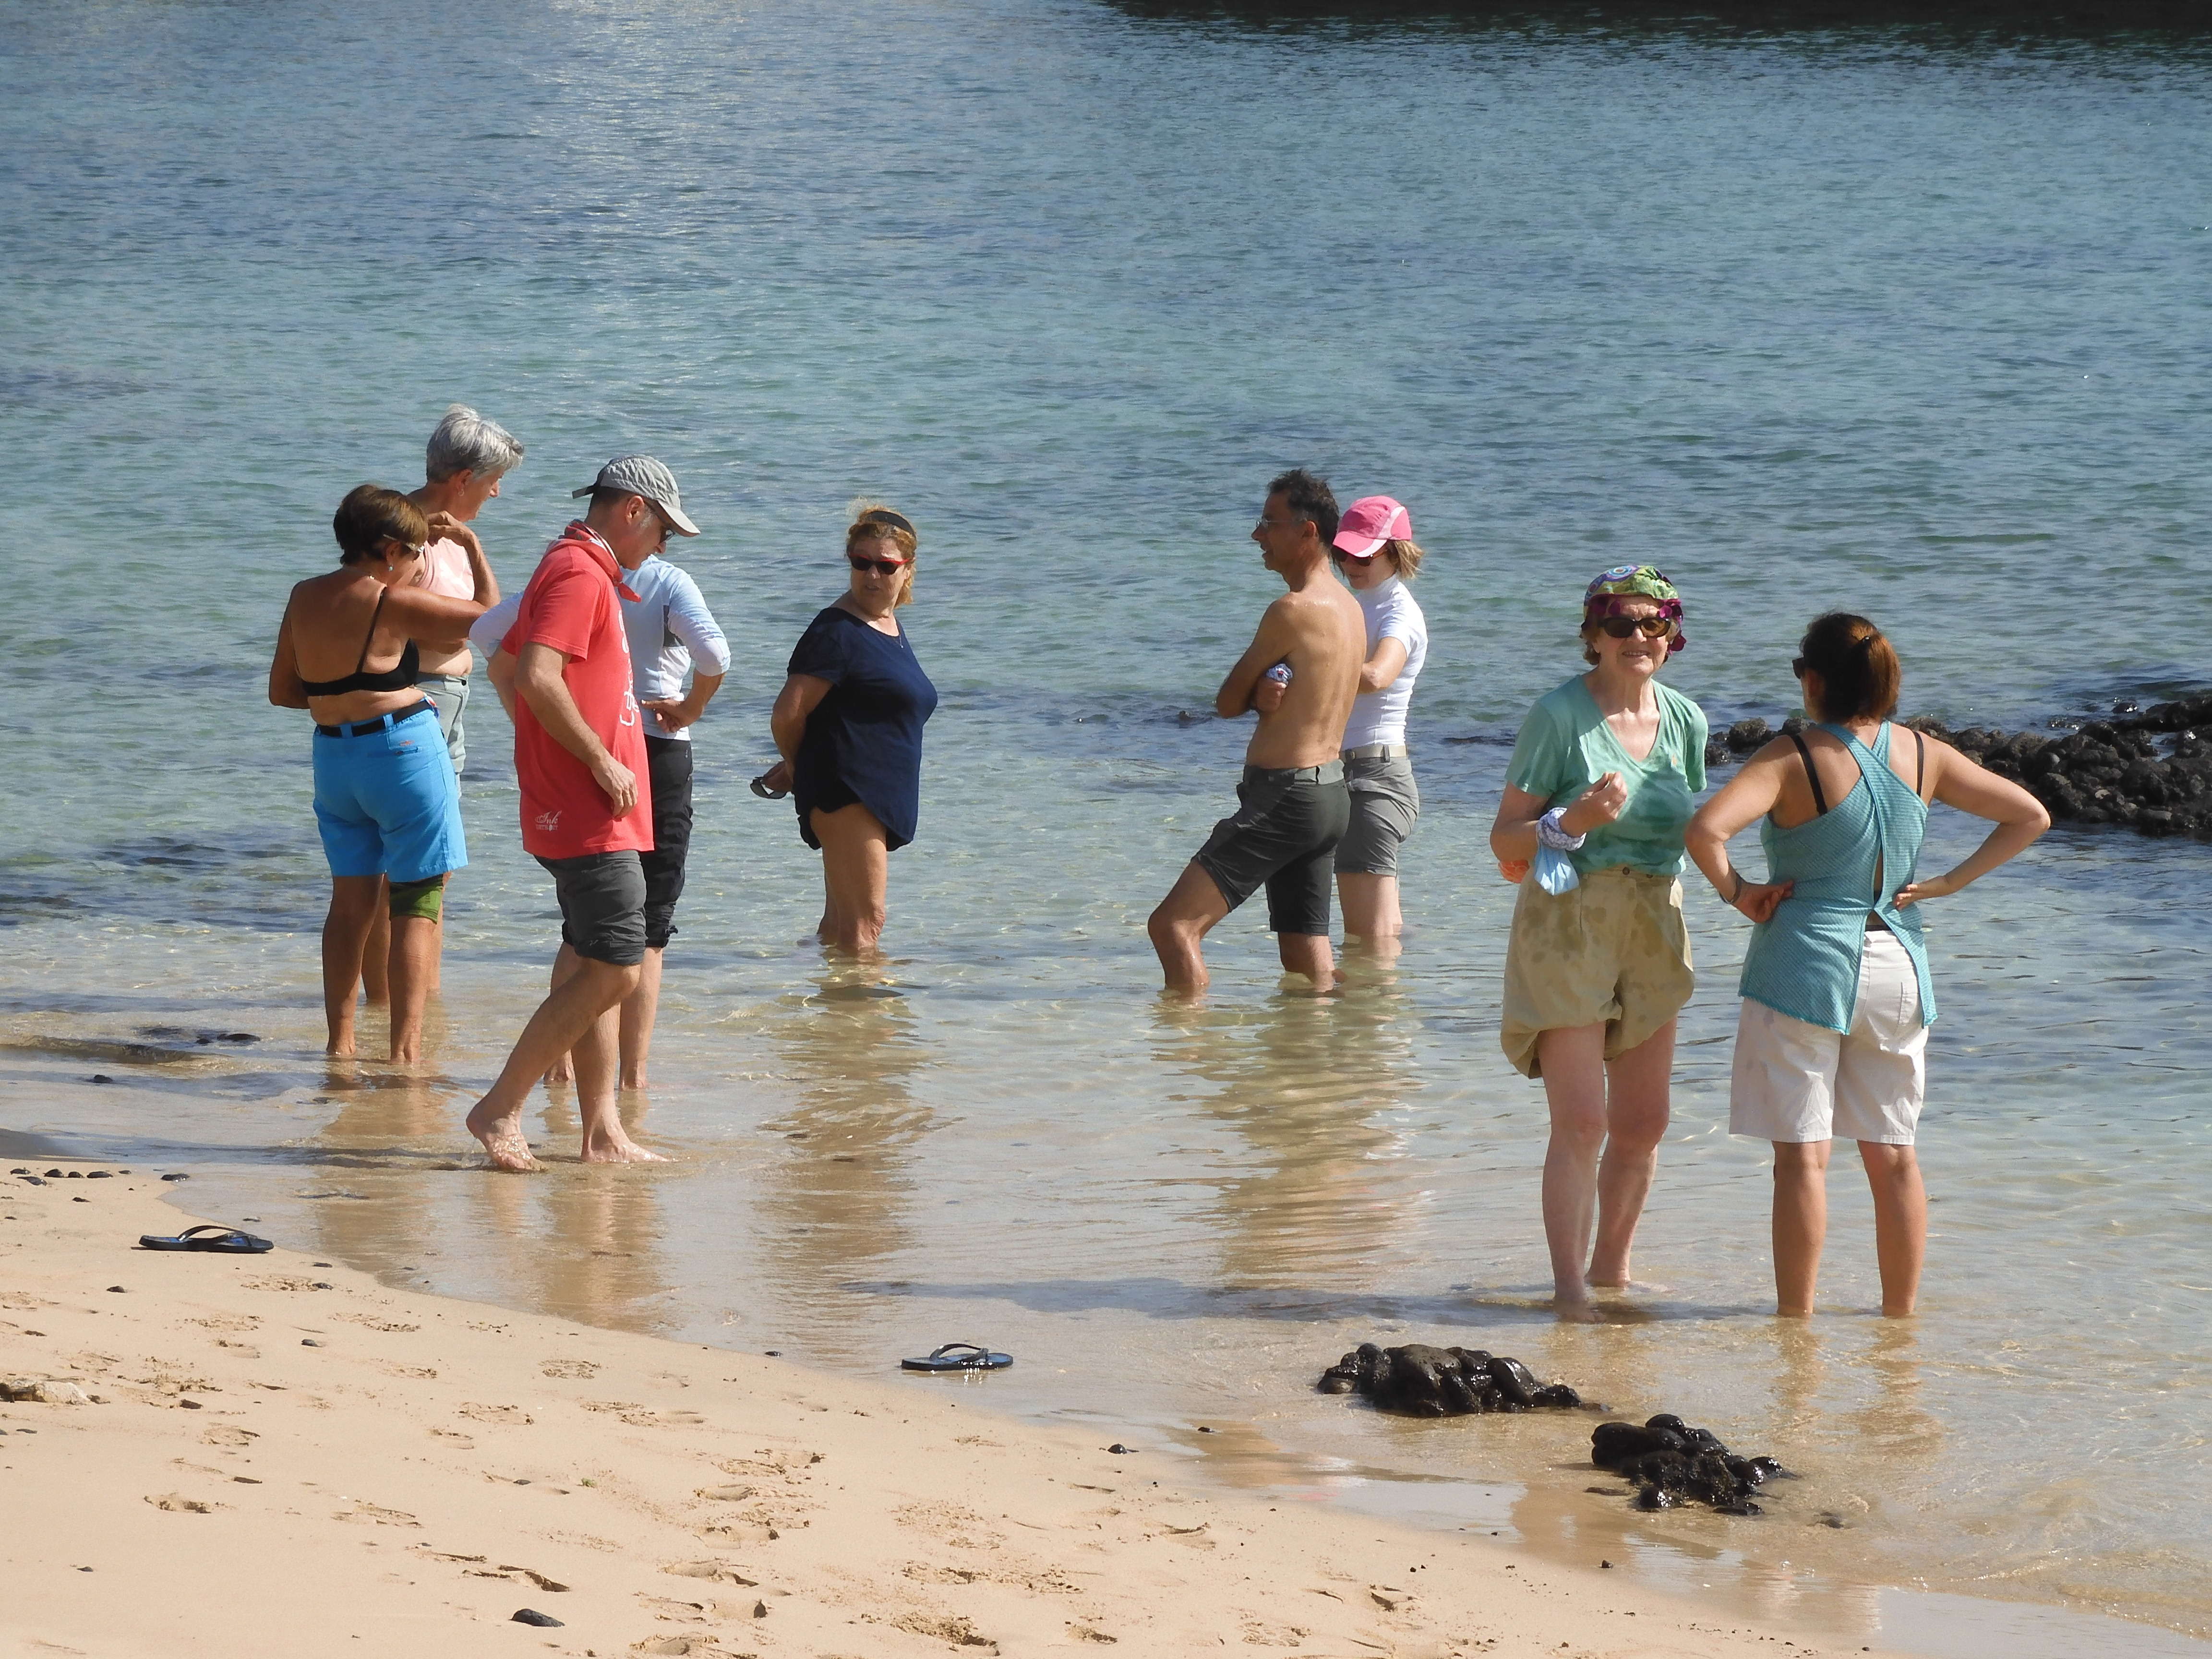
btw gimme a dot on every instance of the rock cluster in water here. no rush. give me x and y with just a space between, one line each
1421 1380
1669 1460
2110 771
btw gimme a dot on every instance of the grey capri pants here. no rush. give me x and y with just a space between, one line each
1385 801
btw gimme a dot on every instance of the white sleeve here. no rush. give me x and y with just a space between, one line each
489 629
695 627
1404 622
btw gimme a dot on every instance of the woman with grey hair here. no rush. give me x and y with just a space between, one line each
463 464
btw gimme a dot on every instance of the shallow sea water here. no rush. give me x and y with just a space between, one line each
1913 323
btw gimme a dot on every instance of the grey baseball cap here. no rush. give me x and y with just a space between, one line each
640 475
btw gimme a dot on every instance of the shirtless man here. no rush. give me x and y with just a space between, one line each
1292 807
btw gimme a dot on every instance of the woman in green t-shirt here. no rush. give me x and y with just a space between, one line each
1598 795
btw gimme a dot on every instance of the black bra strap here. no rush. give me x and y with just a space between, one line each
361 662
1920 773
1812 777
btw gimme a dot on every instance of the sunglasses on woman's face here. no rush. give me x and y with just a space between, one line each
1619 628
881 566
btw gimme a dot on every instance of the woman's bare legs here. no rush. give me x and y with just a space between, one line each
1606 1122
355 904
1637 1086
1370 906
1801 1222
376 955
412 970
855 877
1900 1222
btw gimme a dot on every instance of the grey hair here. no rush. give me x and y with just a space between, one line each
467 442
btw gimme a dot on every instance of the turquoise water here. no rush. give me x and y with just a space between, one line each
1917 324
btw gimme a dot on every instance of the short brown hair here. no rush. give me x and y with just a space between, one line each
1860 676
372 515
874 522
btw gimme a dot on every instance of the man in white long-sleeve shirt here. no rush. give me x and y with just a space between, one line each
671 633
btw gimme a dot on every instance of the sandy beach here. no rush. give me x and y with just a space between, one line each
276 1455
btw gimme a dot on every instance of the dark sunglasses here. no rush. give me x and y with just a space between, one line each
1343 557
1619 628
881 566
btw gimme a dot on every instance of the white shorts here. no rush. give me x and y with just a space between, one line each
1798 1082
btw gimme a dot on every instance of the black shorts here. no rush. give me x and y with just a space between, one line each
602 906
668 764
1284 834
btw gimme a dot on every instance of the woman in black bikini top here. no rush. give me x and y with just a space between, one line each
391 827
322 626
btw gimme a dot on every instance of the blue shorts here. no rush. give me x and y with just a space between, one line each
387 802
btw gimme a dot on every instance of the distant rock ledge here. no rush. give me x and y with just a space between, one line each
2149 768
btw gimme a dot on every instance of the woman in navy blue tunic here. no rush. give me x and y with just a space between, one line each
848 726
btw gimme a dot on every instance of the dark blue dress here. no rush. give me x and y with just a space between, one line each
863 741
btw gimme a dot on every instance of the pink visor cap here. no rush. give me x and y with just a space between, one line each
1368 523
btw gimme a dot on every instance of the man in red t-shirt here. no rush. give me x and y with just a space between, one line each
586 811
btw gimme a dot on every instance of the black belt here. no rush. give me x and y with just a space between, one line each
362 728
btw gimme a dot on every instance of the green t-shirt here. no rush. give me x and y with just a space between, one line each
1566 746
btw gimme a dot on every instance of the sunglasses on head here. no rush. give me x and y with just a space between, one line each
881 566
1619 628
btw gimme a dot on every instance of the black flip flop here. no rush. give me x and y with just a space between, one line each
223 1241
959 1356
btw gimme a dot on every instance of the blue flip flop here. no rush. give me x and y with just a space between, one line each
959 1356
222 1241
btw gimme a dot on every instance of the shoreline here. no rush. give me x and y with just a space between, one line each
281 1454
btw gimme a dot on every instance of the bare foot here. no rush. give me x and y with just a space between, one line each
634 1080
339 1048
1626 1286
503 1142
561 1071
1576 1311
620 1150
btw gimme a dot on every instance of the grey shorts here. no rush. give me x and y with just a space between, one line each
1286 824
602 906
449 695
1385 801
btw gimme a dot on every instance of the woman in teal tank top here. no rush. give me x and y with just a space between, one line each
1836 995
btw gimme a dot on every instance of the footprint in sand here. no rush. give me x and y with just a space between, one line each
512 1414
375 1324
375 1514
222 1434
179 1503
569 1368
722 1570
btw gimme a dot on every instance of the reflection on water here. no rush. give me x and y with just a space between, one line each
1307 1086
836 1203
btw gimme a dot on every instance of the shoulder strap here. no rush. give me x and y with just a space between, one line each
1920 771
369 638
1812 776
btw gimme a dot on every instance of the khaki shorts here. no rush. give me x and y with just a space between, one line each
1612 950
1799 1082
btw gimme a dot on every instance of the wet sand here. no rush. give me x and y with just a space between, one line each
278 1453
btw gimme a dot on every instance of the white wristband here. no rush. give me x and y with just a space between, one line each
1552 834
